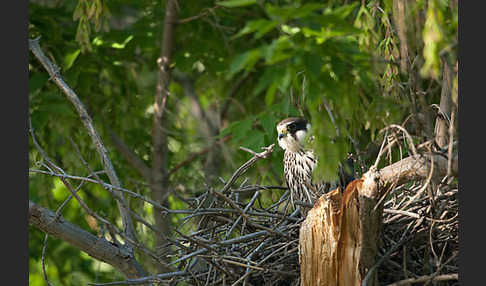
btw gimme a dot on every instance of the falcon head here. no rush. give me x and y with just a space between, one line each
291 133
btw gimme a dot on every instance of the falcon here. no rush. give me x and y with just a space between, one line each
299 162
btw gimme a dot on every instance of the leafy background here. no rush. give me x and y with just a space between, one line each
250 64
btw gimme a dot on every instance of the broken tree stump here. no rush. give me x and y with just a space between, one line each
338 239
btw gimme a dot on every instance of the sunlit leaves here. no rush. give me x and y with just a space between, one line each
70 58
320 43
236 3
433 39
292 11
244 61
122 45
260 27
89 13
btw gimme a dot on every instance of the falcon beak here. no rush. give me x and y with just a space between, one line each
281 135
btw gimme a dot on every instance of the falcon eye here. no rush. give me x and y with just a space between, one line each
291 127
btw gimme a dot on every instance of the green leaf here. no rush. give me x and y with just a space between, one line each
238 129
236 3
122 45
268 122
313 63
261 27
70 58
271 74
36 81
292 11
255 141
242 129
279 50
284 81
265 29
343 11
244 61
270 94
433 40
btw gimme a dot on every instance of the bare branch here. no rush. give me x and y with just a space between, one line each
143 280
118 256
425 278
88 124
417 167
245 167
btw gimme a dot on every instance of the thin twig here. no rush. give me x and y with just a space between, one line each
53 72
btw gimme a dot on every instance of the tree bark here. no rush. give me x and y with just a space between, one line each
159 183
118 256
444 114
338 240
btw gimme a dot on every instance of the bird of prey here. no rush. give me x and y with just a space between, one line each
300 162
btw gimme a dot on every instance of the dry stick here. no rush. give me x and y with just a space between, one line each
58 212
329 112
406 213
94 214
440 268
407 135
44 272
99 248
250 204
204 12
78 152
421 279
375 166
429 177
46 237
263 260
206 246
108 186
248 219
143 280
231 241
451 139
257 249
88 124
260 188
245 167
257 267
384 257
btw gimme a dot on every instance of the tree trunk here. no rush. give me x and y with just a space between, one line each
159 176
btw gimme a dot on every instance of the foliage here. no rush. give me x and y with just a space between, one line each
335 62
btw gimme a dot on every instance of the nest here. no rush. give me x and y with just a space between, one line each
420 240
241 243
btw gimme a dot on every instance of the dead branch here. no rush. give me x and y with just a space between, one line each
88 124
119 256
425 278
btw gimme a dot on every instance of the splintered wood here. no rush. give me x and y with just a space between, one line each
330 240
